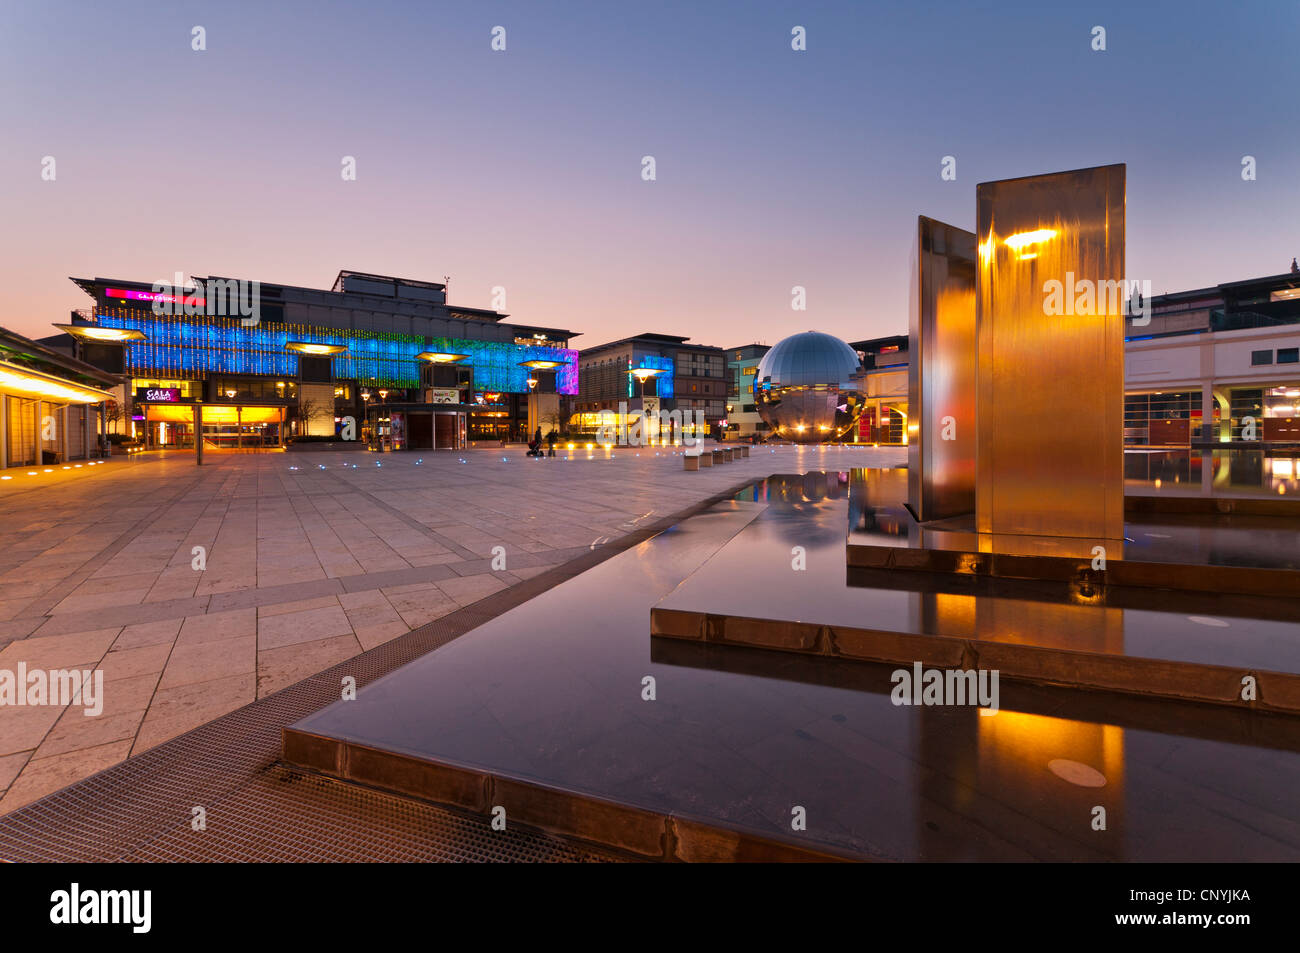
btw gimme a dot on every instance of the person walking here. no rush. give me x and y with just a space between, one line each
550 442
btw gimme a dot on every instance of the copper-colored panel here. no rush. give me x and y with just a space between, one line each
941 374
1050 380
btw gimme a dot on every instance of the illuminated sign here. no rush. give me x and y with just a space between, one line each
444 395
158 395
152 296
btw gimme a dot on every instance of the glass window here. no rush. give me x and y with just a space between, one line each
1261 357
1246 404
1288 355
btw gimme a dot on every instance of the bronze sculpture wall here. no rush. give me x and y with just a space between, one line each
1050 377
941 373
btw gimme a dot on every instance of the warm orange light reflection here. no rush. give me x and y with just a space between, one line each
215 414
1015 744
1021 239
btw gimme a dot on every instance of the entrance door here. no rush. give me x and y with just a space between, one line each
446 431
420 431
1174 432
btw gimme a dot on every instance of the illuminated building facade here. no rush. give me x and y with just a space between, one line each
51 405
311 359
1227 354
883 383
743 419
649 373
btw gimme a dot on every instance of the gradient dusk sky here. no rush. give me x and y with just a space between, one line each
522 168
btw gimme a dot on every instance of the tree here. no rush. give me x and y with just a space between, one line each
113 415
554 421
310 409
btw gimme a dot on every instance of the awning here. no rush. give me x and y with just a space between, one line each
26 382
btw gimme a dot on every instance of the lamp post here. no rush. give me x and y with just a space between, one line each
198 433
643 374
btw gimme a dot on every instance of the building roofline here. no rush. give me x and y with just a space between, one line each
886 340
88 285
1287 278
550 332
649 336
413 282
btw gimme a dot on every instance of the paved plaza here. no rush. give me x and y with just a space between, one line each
310 559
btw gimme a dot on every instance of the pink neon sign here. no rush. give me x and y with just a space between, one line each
151 296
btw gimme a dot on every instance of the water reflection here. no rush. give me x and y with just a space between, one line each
878 517
796 488
946 783
1211 473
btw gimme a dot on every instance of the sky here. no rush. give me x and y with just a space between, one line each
522 168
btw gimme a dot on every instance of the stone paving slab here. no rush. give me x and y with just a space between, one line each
305 567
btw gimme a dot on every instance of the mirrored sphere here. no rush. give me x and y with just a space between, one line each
806 389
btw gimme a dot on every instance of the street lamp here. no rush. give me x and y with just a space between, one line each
643 374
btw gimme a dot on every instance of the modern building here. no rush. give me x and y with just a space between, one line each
387 357
743 419
650 372
52 406
884 389
1228 354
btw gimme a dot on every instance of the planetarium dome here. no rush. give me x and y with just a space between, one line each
806 388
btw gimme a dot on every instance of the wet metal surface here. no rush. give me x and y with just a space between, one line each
1037 354
552 692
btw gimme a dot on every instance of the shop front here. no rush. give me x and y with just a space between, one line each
172 426
416 426
51 405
